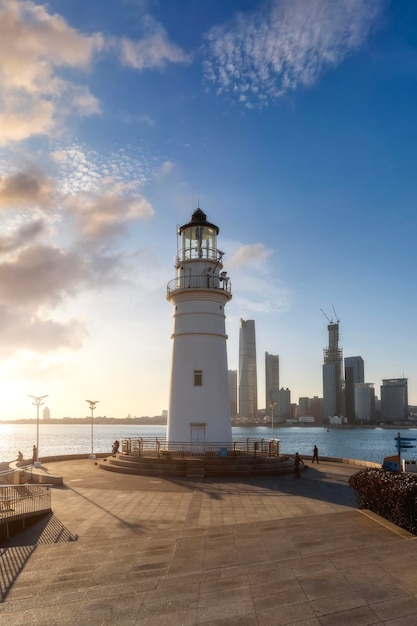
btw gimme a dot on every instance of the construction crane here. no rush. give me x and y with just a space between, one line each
327 317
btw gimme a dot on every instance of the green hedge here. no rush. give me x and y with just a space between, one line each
391 495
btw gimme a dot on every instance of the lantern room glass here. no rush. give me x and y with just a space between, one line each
198 242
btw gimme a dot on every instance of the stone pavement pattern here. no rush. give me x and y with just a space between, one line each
122 549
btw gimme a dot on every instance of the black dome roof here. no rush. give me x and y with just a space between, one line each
199 218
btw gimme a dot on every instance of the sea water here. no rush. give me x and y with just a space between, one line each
367 444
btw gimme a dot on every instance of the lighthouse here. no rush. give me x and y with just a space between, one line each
199 403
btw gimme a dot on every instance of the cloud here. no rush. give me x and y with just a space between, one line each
22 236
34 44
154 50
256 286
82 170
285 44
249 254
55 240
26 189
21 332
39 275
166 168
36 47
109 213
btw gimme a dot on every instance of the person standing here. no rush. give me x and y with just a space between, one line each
315 454
297 462
34 455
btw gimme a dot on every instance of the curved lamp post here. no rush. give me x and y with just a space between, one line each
37 401
92 405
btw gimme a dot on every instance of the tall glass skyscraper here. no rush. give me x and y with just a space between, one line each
271 380
354 374
248 383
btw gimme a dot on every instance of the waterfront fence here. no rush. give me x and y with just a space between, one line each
159 446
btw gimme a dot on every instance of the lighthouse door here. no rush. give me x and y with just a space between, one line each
198 434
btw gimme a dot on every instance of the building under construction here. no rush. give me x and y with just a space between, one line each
333 373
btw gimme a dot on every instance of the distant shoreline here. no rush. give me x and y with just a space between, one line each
159 421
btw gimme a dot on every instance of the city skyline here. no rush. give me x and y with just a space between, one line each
291 123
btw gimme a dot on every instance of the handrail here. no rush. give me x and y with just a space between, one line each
21 501
161 447
199 281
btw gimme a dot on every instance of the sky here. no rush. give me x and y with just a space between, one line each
291 123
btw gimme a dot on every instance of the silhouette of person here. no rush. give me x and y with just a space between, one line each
297 462
34 454
19 456
315 454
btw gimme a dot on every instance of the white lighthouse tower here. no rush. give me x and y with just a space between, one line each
199 404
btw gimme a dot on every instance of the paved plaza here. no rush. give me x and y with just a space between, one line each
266 551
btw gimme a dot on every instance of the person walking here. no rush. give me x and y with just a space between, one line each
315 454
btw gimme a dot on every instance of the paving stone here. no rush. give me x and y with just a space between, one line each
136 550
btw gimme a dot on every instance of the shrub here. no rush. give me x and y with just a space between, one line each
391 495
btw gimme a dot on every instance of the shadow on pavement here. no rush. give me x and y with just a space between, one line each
17 551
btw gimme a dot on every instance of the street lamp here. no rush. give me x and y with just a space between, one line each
92 405
37 401
271 406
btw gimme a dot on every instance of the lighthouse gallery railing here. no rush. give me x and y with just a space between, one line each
199 281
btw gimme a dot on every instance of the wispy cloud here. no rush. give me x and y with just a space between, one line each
83 170
153 50
285 44
249 254
255 285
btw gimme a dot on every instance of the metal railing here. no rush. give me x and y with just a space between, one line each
23 501
199 281
160 447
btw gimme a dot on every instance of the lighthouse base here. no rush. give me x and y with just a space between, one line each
197 468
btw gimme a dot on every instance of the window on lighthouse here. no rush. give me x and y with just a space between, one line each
198 378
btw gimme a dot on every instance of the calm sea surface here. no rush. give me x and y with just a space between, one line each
367 444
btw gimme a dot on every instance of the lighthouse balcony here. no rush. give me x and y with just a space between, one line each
199 281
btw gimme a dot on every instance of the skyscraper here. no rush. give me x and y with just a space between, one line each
394 400
233 392
248 383
283 408
364 402
332 374
354 373
271 380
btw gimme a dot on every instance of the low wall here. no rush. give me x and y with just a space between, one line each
26 473
354 462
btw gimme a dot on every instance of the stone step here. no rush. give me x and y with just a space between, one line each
197 467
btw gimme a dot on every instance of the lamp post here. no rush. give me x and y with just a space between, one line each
92 405
37 401
271 406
